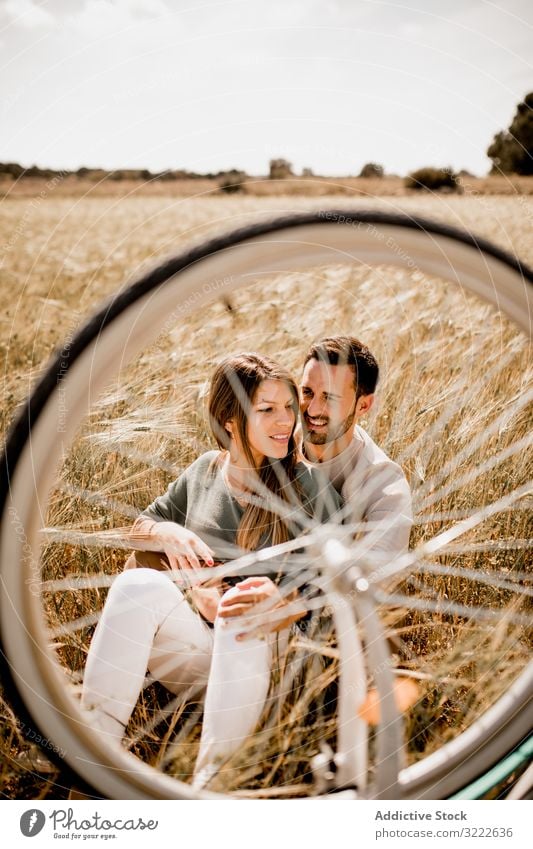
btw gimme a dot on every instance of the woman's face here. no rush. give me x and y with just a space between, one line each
271 420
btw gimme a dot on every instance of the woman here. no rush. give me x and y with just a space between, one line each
213 511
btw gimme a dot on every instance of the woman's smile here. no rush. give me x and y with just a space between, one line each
271 420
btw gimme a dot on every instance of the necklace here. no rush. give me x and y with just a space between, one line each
237 491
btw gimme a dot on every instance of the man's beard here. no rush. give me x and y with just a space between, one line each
326 436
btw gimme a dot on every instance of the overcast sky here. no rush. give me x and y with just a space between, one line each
327 84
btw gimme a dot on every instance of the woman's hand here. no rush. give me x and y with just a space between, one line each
260 593
184 549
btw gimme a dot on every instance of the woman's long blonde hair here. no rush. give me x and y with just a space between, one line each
233 387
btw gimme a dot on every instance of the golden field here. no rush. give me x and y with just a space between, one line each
63 252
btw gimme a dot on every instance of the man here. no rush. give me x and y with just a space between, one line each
337 390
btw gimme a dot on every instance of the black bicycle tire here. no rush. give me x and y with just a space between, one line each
32 409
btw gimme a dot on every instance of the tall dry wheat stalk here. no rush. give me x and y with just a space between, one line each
439 350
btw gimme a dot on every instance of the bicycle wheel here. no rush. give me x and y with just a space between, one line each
449 547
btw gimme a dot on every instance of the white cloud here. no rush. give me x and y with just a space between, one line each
100 17
148 8
411 30
27 14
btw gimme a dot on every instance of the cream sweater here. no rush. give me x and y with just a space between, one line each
376 490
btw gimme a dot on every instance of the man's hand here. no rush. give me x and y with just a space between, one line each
257 597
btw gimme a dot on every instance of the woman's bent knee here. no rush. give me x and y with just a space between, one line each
138 584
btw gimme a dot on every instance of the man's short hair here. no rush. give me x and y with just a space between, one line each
346 350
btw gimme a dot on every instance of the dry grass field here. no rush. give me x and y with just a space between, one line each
350 187
61 254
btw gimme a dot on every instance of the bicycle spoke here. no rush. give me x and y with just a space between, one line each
451 608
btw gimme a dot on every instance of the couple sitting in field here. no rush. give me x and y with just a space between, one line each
261 488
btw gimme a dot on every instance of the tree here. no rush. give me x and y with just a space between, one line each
372 169
511 150
233 181
433 180
13 169
279 169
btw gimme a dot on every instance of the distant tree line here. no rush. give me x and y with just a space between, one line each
511 152
14 170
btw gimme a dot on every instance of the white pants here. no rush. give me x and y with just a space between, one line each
146 623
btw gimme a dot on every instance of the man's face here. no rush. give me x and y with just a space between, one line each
327 401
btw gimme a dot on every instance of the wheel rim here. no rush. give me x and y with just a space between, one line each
303 241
